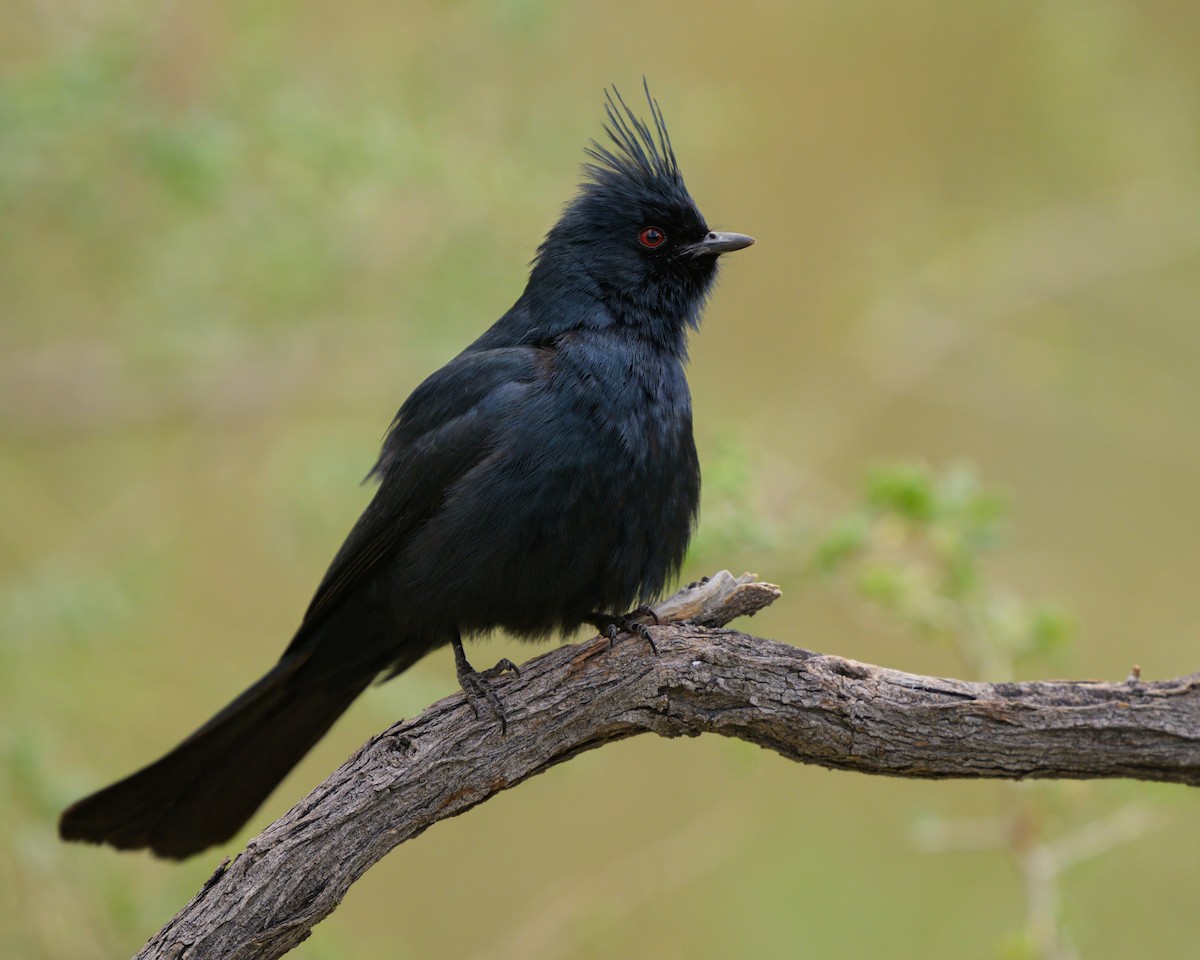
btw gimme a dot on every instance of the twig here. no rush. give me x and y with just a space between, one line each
805 706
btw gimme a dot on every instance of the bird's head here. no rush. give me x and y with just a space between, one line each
633 233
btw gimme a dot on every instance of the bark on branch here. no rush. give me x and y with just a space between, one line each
806 706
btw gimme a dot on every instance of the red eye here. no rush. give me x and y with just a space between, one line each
652 237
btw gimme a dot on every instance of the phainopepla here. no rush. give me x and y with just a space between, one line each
544 478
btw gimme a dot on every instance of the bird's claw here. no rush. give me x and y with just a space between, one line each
502 666
613 625
477 684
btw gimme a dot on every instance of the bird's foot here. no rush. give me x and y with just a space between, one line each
477 684
611 625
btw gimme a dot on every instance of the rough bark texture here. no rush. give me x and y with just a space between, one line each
805 706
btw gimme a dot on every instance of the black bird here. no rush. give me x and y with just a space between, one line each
544 478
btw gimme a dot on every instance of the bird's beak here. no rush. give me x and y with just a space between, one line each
716 243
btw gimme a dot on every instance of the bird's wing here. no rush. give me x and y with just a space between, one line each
443 430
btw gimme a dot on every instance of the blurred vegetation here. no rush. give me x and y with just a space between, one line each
915 549
234 236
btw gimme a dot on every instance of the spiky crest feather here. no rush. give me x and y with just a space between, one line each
640 155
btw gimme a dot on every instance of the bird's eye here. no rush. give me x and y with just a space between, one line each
652 237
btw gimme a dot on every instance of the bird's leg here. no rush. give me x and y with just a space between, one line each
610 625
477 685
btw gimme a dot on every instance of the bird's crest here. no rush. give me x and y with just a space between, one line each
636 152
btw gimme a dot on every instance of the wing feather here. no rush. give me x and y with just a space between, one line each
447 427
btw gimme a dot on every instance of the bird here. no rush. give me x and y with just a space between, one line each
544 479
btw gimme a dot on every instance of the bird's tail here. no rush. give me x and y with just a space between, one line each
205 789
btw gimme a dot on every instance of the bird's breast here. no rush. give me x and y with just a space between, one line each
624 465
587 502
627 403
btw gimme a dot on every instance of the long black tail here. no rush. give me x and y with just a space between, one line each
205 789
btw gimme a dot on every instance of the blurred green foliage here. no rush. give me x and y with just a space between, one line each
916 547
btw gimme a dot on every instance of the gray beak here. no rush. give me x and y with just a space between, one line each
716 243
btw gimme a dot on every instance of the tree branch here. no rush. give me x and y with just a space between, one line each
806 706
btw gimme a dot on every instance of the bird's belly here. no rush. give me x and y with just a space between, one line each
573 520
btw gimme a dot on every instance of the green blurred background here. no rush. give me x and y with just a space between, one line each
234 236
